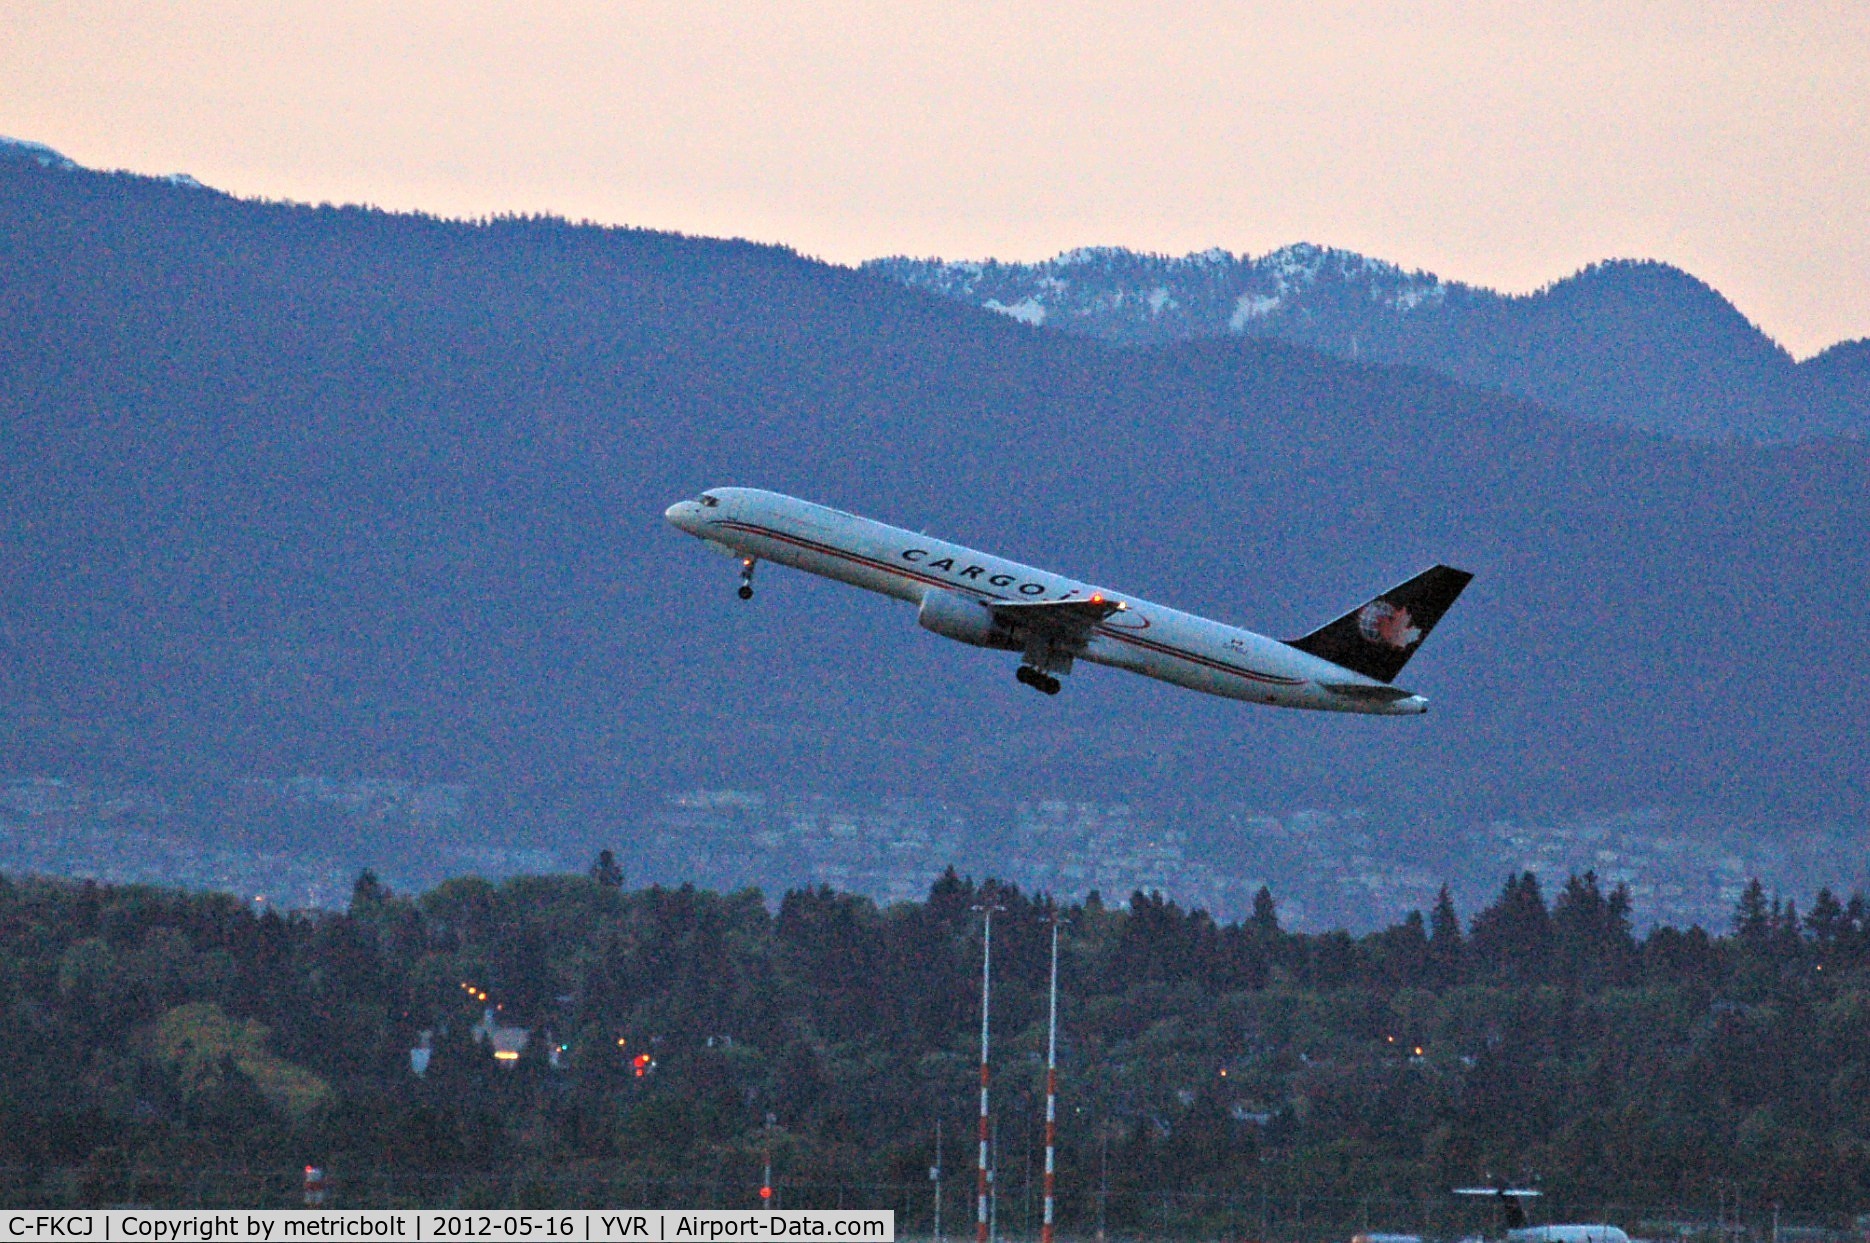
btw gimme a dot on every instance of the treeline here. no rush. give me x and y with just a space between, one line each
675 1034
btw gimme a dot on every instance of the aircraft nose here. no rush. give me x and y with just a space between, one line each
680 515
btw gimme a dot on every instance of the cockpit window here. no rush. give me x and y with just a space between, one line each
708 501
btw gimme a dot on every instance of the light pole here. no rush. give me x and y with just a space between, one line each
1051 1091
986 907
1103 1179
935 1177
766 1173
993 1188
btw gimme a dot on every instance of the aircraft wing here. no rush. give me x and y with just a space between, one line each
1069 620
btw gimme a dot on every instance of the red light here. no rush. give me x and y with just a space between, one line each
766 1193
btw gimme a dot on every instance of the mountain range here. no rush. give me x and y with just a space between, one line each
329 490
1642 344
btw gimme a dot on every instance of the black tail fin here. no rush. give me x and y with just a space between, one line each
1377 639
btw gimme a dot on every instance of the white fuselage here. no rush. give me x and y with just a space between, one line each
1145 638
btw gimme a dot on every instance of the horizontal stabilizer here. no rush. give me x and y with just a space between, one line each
1377 639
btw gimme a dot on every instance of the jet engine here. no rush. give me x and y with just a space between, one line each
954 616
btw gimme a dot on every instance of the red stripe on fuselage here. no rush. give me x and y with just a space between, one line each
1184 654
831 550
1150 645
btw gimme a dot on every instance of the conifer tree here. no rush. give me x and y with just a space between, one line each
1444 941
1265 917
606 871
1753 920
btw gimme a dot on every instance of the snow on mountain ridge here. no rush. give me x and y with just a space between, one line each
1249 307
37 152
1632 341
1130 295
1027 311
45 157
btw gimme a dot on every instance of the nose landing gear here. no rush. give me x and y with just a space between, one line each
746 578
1043 682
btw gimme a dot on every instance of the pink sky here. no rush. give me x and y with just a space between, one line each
1506 144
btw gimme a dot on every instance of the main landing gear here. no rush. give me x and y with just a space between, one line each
1038 681
746 578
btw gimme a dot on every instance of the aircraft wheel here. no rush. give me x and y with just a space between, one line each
1043 682
746 592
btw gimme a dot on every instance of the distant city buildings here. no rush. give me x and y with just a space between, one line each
1327 868
254 839
301 842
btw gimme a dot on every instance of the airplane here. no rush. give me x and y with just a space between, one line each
1513 1214
1510 1199
1347 665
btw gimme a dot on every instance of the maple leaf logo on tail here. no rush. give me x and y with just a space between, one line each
1382 622
1376 639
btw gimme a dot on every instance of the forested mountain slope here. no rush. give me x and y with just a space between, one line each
290 490
1641 344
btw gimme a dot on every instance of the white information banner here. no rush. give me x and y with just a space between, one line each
445 1226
